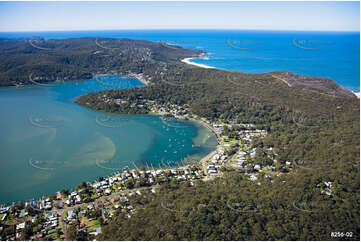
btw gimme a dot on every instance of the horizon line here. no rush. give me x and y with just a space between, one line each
151 29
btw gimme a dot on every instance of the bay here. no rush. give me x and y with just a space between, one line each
48 142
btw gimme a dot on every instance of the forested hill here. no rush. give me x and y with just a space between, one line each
316 124
23 61
307 119
231 95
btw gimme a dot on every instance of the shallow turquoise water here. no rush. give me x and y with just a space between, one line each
48 142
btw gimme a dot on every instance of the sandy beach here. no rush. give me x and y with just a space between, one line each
188 61
357 94
140 78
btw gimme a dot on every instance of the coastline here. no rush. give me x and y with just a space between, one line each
357 94
188 61
202 160
140 78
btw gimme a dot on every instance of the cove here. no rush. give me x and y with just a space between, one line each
48 142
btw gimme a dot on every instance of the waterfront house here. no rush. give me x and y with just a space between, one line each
96 185
77 199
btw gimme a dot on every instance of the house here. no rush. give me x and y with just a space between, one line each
212 170
23 213
20 226
253 178
123 199
48 205
77 199
71 214
241 154
98 231
328 184
328 192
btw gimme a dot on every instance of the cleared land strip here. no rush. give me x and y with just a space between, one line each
283 80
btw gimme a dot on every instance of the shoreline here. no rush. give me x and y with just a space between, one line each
188 61
357 94
140 78
180 163
143 80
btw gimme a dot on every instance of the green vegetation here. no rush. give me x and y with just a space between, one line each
317 125
23 61
312 125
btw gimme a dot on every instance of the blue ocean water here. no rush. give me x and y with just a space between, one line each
325 54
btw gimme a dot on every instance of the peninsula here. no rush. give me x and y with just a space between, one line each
286 168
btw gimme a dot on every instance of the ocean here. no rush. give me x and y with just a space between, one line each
324 54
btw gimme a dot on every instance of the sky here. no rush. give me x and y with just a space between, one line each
56 16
